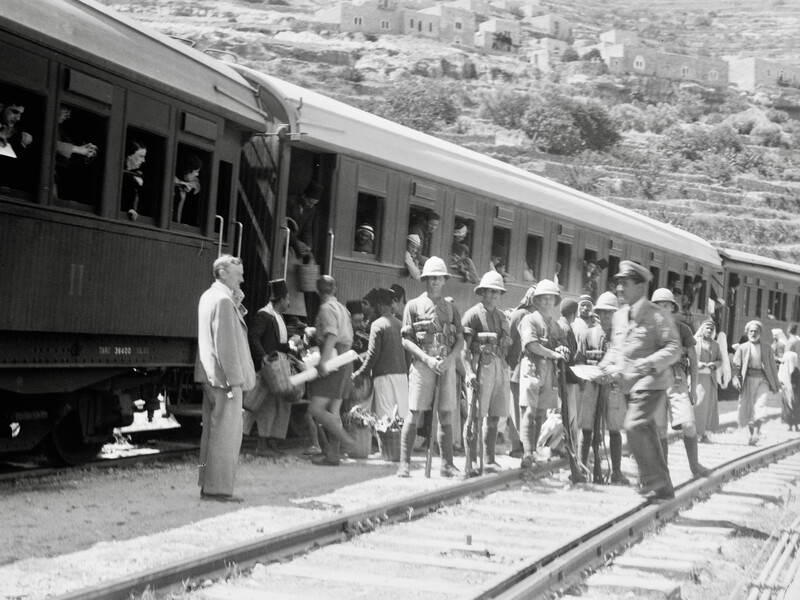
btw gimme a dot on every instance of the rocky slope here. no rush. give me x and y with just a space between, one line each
751 207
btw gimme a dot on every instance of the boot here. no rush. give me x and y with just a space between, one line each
489 443
445 439
698 470
616 458
406 446
586 445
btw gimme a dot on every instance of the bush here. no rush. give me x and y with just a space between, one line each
593 54
420 105
768 134
570 55
562 125
505 107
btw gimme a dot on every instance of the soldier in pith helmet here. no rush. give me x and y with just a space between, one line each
486 340
433 335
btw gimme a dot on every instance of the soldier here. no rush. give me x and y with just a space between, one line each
542 345
433 335
513 357
592 346
486 340
644 344
681 397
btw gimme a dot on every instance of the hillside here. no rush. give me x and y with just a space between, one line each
720 163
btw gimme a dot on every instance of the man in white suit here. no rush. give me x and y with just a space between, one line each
225 370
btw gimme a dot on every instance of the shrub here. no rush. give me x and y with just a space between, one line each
570 55
768 134
593 54
505 107
420 105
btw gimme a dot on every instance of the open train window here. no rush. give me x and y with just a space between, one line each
463 231
190 186
423 222
369 214
21 124
501 244
613 269
142 176
533 259
563 261
81 140
795 309
746 300
759 301
654 283
590 283
687 293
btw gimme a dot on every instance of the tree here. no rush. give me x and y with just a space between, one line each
593 54
570 55
421 105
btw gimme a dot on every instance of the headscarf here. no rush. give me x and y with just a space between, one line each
527 299
699 333
785 371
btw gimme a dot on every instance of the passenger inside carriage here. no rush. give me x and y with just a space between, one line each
365 239
132 177
187 189
66 149
15 143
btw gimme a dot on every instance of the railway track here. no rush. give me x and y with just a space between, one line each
515 534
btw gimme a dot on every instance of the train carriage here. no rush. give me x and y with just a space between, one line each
384 175
104 259
757 287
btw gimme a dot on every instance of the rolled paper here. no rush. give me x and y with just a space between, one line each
332 365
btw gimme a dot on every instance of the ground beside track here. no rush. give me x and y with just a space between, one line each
70 532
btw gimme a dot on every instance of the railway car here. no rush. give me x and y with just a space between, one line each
386 176
104 251
760 288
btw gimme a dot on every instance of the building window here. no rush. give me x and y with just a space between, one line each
411 23
457 41
638 63
357 20
384 24
458 25
713 75
684 71
430 27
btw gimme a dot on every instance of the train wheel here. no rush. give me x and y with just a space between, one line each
65 444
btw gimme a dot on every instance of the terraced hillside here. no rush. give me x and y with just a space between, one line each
752 207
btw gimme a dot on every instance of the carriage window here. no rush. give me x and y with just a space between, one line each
21 120
746 300
463 230
656 280
701 291
759 299
533 257
772 304
142 175
190 185
563 258
591 274
687 293
224 183
423 223
368 218
81 140
613 269
501 244
795 309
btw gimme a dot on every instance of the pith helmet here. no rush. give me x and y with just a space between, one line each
607 301
491 280
547 287
664 295
434 267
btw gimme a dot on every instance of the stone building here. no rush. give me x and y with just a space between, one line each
545 53
499 35
620 36
456 24
553 26
751 73
640 60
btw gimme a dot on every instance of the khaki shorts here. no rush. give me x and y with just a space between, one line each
615 408
422 387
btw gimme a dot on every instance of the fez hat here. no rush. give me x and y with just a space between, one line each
278 289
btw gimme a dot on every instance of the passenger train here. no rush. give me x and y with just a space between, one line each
105 255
